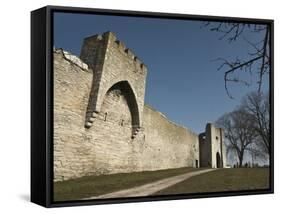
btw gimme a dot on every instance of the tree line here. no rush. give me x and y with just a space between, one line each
247 127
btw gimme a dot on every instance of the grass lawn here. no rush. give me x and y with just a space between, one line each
97 185
222 180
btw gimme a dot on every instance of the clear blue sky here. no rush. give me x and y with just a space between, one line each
182 81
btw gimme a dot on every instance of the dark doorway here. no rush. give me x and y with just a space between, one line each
196 164
218 160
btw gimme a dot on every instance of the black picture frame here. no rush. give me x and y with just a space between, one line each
42 104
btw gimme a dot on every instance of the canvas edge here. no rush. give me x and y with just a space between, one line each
48 202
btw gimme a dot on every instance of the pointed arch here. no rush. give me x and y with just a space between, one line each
128 92
218 160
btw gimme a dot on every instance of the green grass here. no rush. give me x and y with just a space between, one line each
222 180
97 185
214 181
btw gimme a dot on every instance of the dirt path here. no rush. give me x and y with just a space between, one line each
148 189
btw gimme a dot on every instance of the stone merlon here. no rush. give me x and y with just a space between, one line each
121 45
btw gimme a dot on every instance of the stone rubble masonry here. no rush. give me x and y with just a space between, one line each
101 124
212 147
112 63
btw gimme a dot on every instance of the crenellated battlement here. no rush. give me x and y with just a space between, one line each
110 36
122 47
114 64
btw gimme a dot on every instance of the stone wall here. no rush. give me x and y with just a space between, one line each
108 146
102 126
167 145
112 62
113 149
205 151
72 85
212 147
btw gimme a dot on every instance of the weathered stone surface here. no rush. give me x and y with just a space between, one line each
112 63
72 87
212 147
101 125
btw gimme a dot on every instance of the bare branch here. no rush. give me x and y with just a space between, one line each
263 58
260 55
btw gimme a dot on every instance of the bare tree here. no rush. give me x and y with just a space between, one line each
258 58
256 105
256 153
239 132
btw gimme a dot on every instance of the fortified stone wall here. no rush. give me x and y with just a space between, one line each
107 146
167 145
112 63
72 85
216 154
205 151
101 125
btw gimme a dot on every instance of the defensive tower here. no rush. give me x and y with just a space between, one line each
113 66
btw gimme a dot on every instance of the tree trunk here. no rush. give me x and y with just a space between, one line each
240 160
